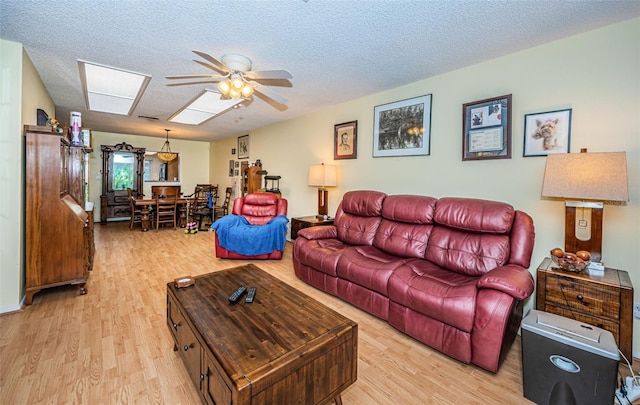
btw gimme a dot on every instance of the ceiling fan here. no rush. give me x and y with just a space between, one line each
236 79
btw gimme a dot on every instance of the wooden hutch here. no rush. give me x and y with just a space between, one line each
59 223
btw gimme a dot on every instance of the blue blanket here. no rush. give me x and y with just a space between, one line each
237 235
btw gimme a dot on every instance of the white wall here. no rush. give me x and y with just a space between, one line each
194 161
21 94
597 74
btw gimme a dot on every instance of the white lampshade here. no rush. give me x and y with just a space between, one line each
587 176
322 176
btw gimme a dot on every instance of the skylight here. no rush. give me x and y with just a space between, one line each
205 106
111 90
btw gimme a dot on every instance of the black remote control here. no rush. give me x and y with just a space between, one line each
237 294
251 295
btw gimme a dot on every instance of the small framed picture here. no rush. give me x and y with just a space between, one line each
402 128
243 147
486 129
237 164
86 137
345 140
233 151
547 133
237 172
231 163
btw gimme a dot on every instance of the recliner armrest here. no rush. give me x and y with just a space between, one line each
511 279
319 232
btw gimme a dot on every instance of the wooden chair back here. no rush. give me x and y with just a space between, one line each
166 208
223 209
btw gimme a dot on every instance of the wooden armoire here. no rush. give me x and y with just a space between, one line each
58 222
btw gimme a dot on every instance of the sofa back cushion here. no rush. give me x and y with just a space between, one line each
358 216
407 221
470 236
259 208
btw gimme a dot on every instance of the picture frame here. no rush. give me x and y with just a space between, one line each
233 151
345 140
231 164
486 129
243 147
402 128
237 173
547 133
87 137
237 164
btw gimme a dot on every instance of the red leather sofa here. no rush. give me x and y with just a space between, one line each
258 209
450 272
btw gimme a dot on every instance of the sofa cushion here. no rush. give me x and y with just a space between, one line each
406 225
368 267
358 216
468 214
467 253
438 293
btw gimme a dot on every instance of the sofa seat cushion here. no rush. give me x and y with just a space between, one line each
368 267
320 254
440 294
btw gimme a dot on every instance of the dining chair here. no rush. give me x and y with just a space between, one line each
136 212
223 209
166 209
204 198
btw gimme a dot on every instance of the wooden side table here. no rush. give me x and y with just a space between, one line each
305 222
604 301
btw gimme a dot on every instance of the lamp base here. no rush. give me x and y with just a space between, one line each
573 242
322 202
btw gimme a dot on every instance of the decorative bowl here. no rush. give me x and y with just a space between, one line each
577 266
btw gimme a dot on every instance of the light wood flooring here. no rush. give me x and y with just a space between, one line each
112 346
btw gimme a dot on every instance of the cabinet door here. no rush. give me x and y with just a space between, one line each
215 390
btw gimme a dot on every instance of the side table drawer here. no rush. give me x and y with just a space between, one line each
599 302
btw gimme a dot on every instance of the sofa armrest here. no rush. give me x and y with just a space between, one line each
319 232
511 279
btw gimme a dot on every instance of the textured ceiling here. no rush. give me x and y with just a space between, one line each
335 50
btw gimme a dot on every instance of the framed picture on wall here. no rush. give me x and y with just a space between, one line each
547 133
345 140
486 129
402 128
243 147
231 164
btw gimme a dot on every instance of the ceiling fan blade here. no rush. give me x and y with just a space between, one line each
214 61
195 77
268 74
198 82
209 66
265 91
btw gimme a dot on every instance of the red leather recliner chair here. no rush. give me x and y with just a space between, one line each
257 209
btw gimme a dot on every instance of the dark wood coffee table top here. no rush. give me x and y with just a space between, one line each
256 342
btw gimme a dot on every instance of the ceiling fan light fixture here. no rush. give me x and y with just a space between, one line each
224 86
236 82
235 93
246 91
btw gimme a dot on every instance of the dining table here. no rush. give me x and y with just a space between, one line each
146 203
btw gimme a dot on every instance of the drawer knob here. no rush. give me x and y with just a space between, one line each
187 347
175 326
202 377
579 297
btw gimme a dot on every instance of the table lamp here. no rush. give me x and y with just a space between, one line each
586 181
322 176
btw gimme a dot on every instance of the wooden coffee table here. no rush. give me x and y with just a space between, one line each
284 348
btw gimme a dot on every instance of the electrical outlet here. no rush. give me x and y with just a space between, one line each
636 310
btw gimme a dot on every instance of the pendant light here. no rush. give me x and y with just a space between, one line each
165 153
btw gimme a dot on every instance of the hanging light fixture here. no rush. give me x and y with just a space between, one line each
235 87
165 153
